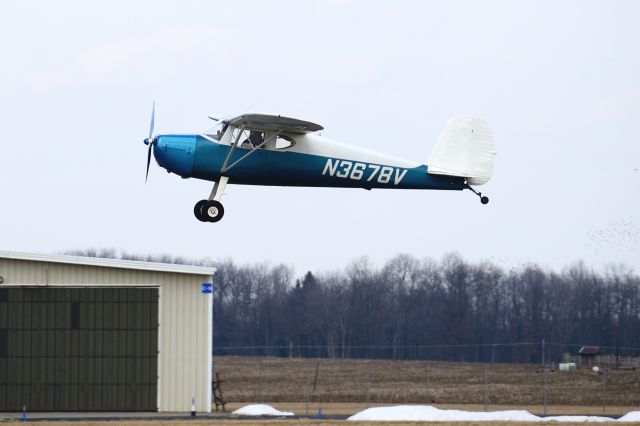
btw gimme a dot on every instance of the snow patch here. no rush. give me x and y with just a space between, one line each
576 419
433 414
633 416
260 410
429 413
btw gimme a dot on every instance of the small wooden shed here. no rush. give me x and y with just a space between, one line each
588 356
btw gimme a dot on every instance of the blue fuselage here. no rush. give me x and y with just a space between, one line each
198 157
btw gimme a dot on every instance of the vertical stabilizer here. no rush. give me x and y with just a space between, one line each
465 149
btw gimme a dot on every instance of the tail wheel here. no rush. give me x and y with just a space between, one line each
197 211
484 199
212 210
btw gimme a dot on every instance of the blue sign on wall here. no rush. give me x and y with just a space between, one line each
207 288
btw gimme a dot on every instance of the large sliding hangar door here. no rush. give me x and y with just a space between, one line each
79 349
86 334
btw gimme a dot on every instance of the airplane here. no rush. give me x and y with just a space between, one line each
273 150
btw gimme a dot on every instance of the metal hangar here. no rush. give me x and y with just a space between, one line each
92 334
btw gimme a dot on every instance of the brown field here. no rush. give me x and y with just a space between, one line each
405 382
341 389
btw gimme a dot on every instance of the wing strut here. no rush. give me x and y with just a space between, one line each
233 148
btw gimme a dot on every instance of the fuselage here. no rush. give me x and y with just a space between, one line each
310 160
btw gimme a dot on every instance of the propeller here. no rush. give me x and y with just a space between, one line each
150 140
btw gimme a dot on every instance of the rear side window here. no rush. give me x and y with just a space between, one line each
284 142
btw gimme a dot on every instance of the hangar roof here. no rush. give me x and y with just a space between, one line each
110 263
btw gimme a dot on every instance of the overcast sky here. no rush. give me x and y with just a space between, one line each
558 82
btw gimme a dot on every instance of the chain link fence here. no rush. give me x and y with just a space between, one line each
602 383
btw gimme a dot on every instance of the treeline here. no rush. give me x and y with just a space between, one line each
422 309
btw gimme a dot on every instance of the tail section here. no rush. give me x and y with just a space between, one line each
465 149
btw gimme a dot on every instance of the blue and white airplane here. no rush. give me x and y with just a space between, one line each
258 149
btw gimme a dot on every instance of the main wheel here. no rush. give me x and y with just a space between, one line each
197 211
212 210
484 199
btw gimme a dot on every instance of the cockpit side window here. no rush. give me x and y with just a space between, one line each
251 138
255 138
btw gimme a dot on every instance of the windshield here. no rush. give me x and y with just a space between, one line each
216 131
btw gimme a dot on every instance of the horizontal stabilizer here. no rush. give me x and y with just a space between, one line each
465 149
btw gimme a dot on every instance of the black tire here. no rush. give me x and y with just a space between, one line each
197 210
212 211
484 200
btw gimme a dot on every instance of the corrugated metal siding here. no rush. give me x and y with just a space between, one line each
185 355
79 348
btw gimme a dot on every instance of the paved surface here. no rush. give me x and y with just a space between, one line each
71 417
117 417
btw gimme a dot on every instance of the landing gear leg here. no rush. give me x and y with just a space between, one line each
483 198
211 210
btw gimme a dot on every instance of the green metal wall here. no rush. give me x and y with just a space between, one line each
78 349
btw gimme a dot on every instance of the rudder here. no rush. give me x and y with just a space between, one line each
465 149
